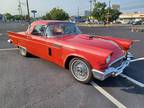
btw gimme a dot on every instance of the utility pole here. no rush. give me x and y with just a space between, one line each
28 10
20 8
78 12
90 6
108 16
94 2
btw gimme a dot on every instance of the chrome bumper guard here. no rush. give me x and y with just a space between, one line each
111 71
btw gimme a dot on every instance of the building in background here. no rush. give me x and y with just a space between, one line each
2 18
116 7
127 17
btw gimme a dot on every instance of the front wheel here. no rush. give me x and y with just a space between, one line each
81 70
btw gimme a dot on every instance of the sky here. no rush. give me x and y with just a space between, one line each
70 6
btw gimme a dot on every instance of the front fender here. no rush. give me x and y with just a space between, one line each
95 57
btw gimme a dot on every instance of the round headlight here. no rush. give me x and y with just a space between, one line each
108 59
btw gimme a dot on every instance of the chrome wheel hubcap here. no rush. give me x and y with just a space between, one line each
80 70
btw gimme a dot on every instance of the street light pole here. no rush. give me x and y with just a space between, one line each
28 10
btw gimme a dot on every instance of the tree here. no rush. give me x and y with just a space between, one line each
48 16
18 17
56 14
99 11
113 14
9 16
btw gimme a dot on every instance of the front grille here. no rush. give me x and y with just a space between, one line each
117 63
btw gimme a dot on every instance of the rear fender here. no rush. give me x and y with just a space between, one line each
13 37
17 39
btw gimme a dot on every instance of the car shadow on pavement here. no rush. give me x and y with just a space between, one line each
134 90
32 56
135 71
120 83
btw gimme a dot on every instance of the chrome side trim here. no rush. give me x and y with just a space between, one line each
95 70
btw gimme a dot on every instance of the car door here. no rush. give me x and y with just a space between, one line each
52 47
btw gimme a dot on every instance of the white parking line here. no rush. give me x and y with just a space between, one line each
137 59
132 80
108 96
136 40
8 49
0 34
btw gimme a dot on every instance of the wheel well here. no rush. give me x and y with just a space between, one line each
67 61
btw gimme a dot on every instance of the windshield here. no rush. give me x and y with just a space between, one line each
58 29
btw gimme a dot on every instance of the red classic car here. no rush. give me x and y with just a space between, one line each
84 55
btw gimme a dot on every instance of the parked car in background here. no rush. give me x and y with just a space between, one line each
84 55
141 22
79 19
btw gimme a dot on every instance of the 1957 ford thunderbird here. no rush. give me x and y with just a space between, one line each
84 55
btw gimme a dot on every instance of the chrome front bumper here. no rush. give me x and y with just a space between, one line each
112 71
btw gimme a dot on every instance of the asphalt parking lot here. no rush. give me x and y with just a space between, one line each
35 83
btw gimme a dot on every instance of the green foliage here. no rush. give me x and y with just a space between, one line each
56 14
99 11
102 13
15 17
113 14
8 16
84 17
18 17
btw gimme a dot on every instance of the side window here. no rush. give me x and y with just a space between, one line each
54 30
57 29
38 30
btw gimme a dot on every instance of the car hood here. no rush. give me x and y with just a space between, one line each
83 39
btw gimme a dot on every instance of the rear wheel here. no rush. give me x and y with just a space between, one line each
81 70
23 51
